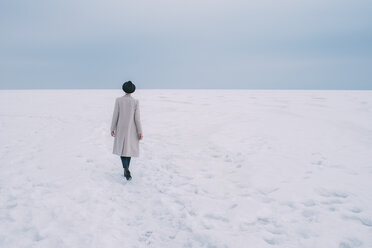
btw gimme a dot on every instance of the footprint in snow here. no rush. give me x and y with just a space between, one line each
267 191
333 209
233 206
272 241
275 231
356 210
307 213
318 159
363 220
289 204
366 221
146 237
227 158
351 243
216 217
332 193
309 203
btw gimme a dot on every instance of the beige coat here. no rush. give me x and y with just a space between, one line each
126 124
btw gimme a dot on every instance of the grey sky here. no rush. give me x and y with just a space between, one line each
186 44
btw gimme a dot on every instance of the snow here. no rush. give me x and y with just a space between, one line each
217 168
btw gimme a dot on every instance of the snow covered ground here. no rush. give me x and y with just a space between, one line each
217 168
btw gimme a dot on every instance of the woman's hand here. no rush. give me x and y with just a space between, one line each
112 133
140 136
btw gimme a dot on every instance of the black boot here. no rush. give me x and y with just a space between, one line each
127 174
129 177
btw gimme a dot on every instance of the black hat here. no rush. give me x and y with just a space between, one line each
129 87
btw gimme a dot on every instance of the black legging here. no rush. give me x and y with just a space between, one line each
125 161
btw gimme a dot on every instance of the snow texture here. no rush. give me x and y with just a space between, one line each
217 168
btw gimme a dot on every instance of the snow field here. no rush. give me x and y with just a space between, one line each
217 168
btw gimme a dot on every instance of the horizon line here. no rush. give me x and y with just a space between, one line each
187 89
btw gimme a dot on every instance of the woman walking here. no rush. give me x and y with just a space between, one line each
126 127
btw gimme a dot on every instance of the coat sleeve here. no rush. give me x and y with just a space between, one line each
137 119
115 116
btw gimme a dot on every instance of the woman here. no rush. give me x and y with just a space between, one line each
126 127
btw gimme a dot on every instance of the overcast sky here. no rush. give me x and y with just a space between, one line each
259 44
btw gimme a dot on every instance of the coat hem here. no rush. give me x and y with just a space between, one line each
126 155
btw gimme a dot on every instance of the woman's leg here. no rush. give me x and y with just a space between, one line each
128 158
125 162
